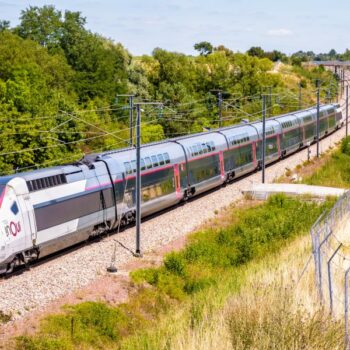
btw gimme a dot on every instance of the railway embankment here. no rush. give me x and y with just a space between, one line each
34 292
170 305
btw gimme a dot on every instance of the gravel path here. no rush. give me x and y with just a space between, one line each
34 289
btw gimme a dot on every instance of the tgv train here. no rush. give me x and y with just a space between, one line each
50 209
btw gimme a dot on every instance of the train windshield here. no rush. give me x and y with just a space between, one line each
2 193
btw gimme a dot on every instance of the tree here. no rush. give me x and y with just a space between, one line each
204 47
332 54
43 25
256 51
4 25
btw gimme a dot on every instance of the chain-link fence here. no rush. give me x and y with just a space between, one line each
331 250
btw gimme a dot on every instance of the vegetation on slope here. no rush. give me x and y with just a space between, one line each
189 289
59 84
335 172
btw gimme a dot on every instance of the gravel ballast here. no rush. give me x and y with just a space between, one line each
34 289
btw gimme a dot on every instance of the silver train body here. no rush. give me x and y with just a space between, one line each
47 210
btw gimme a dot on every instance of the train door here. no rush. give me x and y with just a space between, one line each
177 180
104 192
29 225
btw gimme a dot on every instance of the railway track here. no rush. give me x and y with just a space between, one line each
69 270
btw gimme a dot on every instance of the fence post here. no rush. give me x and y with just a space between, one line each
330 278
320 265
346 311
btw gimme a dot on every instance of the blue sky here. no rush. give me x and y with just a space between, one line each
142 25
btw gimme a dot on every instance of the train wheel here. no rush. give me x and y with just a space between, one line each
11 266
185 197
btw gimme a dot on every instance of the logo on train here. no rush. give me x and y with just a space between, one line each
13 228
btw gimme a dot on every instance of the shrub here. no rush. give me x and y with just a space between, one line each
345 146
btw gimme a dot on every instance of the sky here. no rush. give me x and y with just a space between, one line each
176 25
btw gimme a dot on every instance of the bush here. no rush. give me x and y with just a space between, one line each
210 257
345 146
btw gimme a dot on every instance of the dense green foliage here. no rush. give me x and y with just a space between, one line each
336 171
59 84
212 258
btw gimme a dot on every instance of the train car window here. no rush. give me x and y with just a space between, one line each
204 148
35 187
209 147
212 145
200 149
30 186
133 165
64 179
38 183
166 158
161 159
154 160
143 166
148 162
127 167
46 182
195 150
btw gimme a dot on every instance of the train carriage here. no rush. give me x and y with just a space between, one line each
205 166
46 210
273 141
291 135
160 177
240 156
307 120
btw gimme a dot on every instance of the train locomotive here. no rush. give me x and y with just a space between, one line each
47 210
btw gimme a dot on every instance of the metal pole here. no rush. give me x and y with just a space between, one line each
263 139
300 95
319 252
131 107
138 181
220 108
270 101
318 120
346 308
330 278
347 110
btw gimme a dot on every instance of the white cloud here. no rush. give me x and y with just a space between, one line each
279 32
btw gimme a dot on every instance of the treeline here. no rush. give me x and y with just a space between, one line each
59 87
299 57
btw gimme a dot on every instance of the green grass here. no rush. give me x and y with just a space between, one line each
336 171
188 288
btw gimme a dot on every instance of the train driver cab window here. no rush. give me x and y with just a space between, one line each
154 161
2 193
148 162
